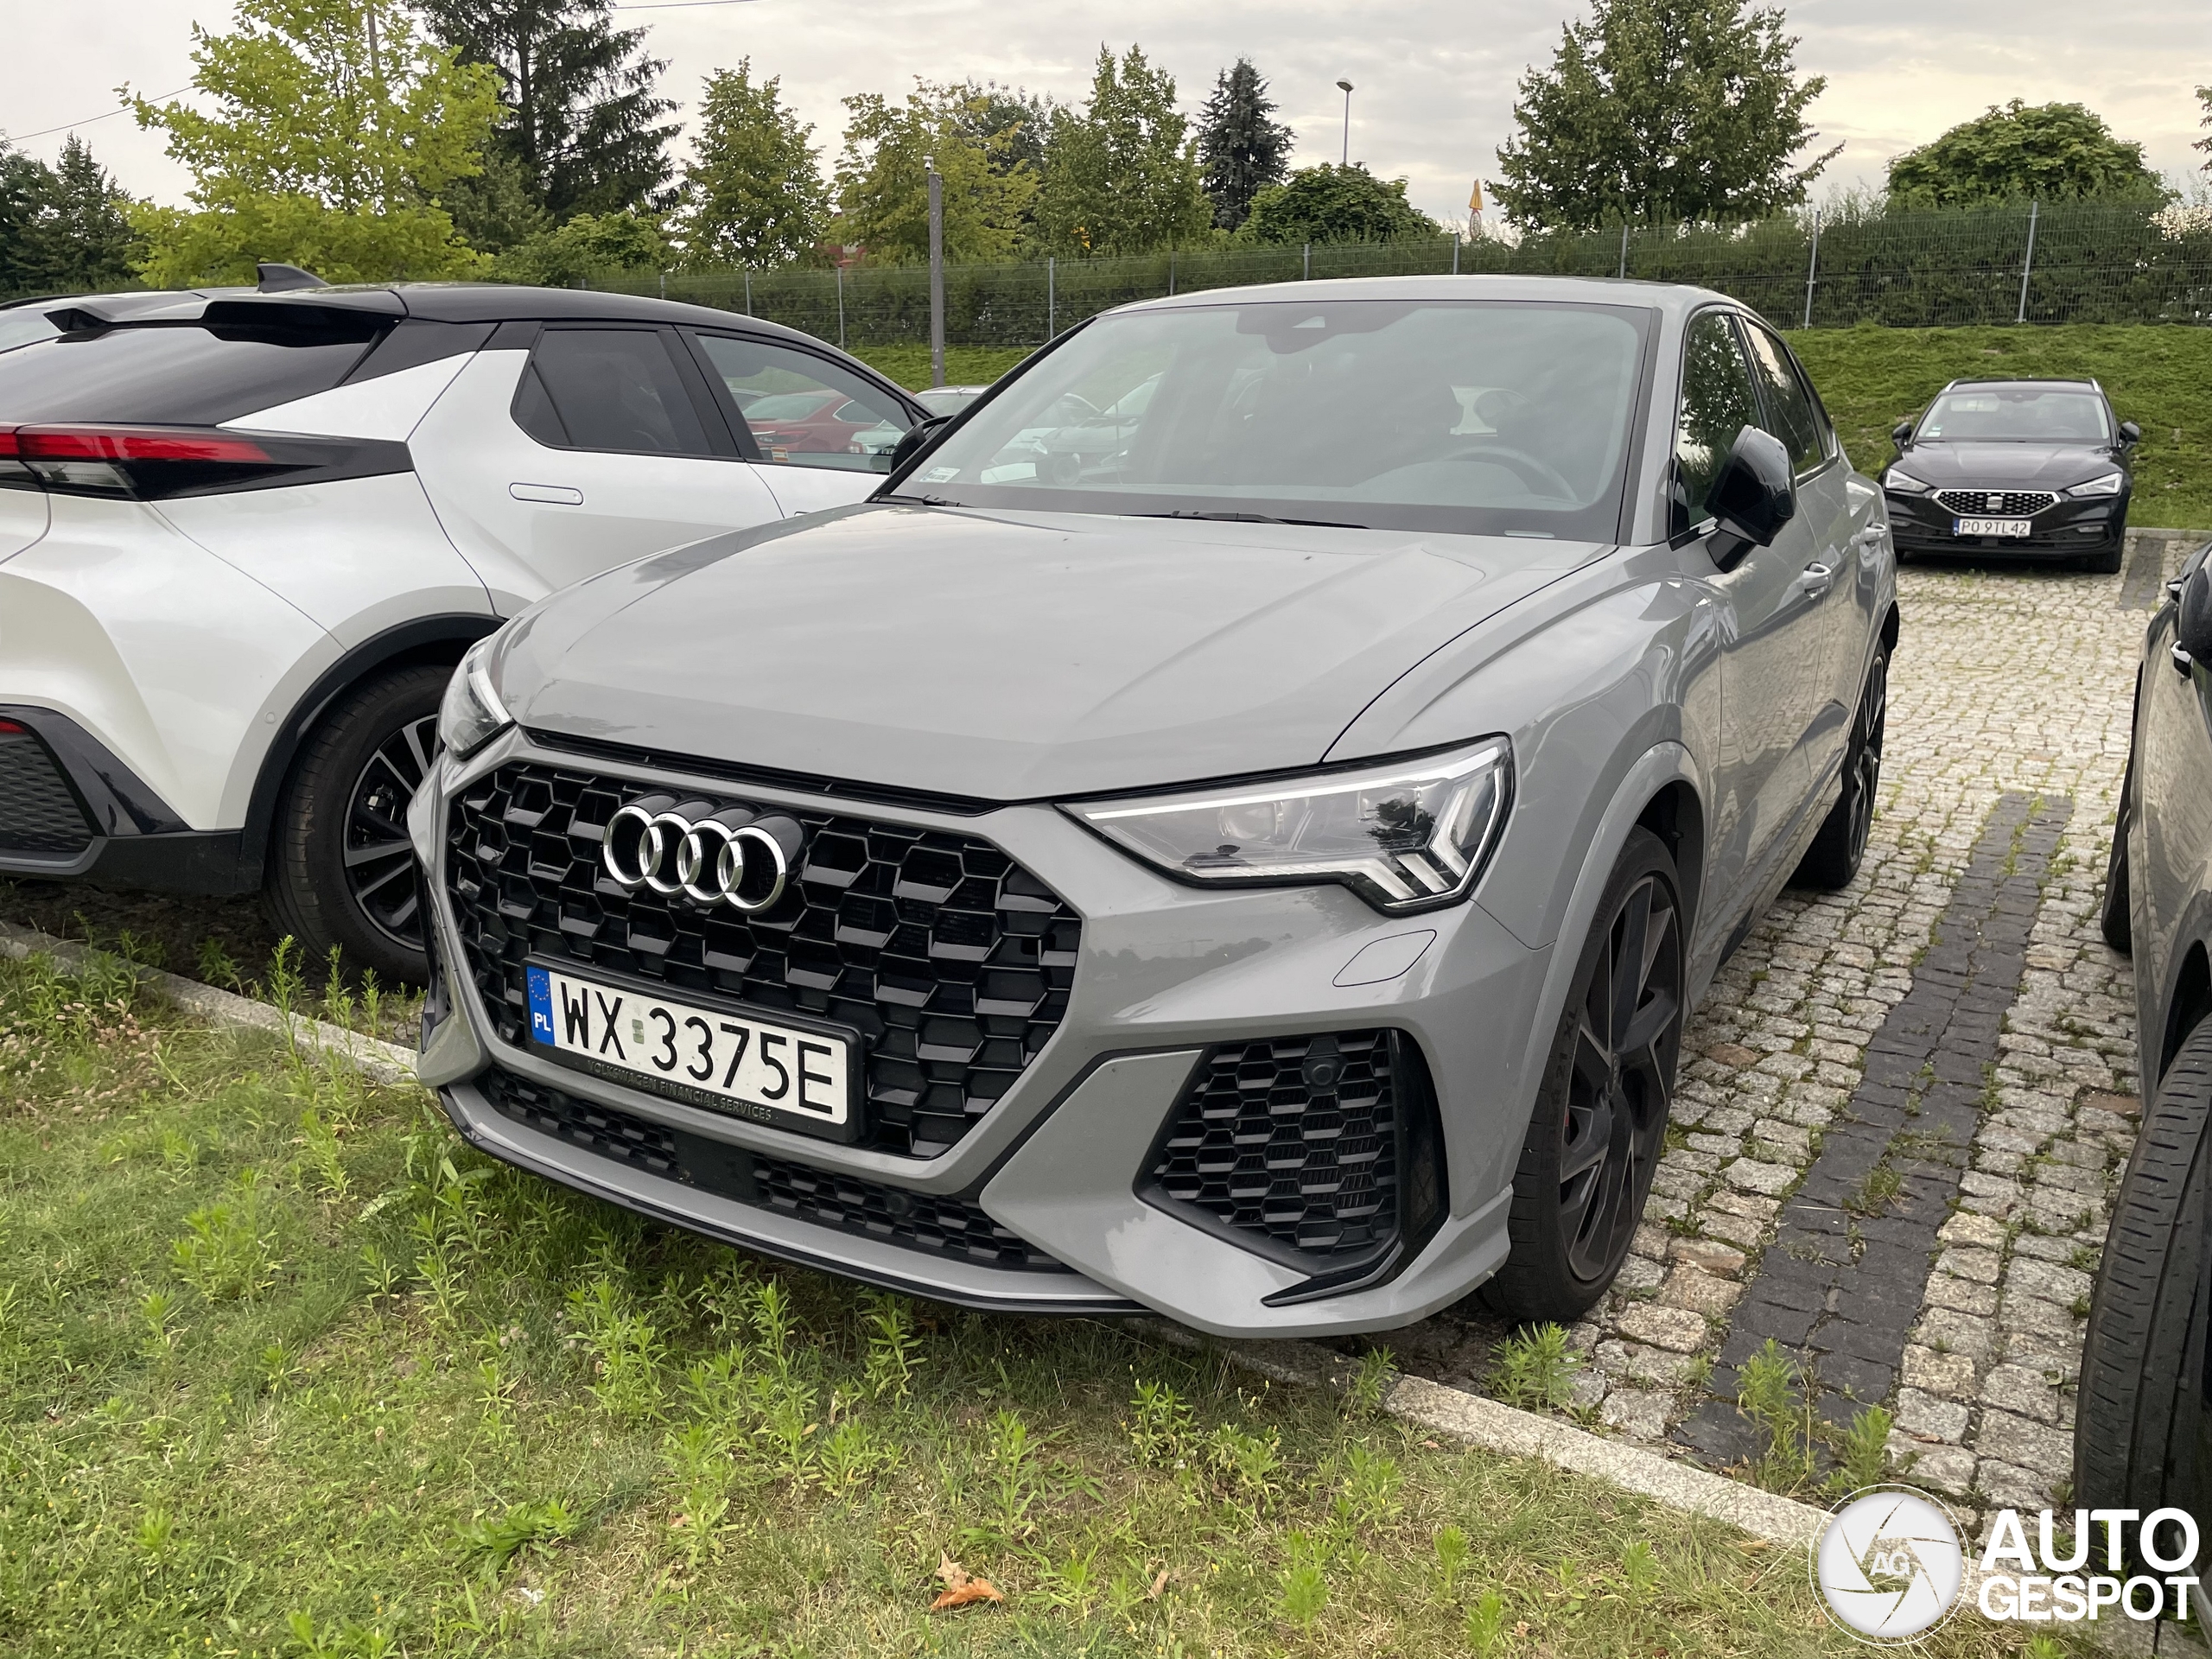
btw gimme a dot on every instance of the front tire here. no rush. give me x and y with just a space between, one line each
2142 1391
1600 1122
2106 560
341 872
2113 919
1840 844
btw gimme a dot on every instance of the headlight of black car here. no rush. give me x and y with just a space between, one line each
472 714
2108 484
1407 836
1903 482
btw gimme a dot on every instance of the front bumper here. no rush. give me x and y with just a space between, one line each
1164 973
1919 524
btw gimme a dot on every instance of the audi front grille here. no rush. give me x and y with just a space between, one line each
1995 504
951 961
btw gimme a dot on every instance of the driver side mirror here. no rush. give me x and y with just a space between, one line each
916 435
2130 434
1901 435
2193 626
1753 496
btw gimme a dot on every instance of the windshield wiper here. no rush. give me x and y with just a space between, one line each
920 500
1248 518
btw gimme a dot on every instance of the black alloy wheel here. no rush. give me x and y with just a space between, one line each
1600 1123
341 871
379 859
1840 845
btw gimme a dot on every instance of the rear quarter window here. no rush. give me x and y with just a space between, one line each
171 374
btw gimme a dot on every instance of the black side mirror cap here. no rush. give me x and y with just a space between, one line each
2193 626
916 435
1901 435
2130 432
1753 496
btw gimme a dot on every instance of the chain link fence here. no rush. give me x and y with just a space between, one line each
2069 262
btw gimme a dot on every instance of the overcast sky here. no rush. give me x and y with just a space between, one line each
1434 81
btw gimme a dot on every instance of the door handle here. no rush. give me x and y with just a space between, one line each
558 494
2183 662
1816 580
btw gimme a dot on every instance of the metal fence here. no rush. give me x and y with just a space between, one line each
2027 264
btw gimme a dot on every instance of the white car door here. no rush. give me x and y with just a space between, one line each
597 444
815 429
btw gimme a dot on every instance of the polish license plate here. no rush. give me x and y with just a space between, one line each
725 1060
1990 527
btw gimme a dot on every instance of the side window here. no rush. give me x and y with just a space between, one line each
1791 414
1717 403
610 389
806 411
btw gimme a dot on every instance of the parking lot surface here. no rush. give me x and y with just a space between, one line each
1904 1108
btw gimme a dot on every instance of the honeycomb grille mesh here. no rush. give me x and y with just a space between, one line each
2010 504
949 1227
951 961
38 812
1293 1140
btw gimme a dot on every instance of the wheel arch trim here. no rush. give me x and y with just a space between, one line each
421 639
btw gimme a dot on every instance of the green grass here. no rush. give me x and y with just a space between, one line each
285 1369
2158 377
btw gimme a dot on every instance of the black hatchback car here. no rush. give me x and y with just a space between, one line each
2143 1433
2030 467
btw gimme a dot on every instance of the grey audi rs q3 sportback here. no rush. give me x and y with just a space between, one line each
1233 827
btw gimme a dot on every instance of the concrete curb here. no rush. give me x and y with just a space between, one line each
380 1062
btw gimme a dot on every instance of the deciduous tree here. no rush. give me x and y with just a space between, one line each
581 122
589 245
1655 110
2058 152
336 126
1336 204
1241 147
755 194
1121 175
882 179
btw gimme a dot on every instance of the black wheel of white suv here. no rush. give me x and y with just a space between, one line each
2138 1433
341 872
1600 1122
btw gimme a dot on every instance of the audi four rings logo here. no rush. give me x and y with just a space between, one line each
733 856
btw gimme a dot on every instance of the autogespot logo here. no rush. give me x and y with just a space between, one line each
1890 1565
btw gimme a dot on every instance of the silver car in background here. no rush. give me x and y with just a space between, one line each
1233 827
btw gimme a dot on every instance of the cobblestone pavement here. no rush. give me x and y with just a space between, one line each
1904 1108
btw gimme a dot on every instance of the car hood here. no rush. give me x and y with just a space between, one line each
2042 465
1008 657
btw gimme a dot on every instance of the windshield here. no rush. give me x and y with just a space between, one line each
1482 416
2015 415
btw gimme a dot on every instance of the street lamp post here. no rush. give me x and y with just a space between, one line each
1346 85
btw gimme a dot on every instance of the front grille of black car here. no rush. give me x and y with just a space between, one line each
951 961
2009 504
1319 1150
919 1221
38 810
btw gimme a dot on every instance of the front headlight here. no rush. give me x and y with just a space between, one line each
2109 485
1904 482
472 714
1404 836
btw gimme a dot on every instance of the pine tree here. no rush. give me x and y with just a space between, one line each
1241 148
25 182
754 196
582 124
82 240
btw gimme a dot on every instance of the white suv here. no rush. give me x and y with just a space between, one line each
244 537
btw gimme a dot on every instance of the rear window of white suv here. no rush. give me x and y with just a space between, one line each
176 374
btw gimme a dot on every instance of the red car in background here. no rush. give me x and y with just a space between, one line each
808 423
